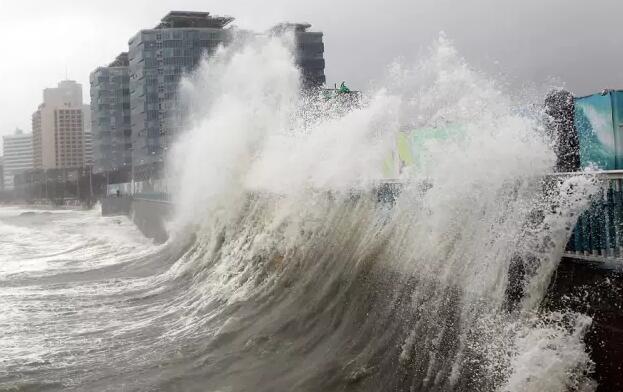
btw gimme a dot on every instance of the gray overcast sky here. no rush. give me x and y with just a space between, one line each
520 41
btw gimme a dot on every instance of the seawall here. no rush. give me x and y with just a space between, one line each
594 289
149 216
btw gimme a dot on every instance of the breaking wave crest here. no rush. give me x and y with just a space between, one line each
324 285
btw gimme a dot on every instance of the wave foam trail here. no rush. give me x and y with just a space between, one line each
303 280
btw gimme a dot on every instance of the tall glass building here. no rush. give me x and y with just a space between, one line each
158 58
135 110
111 126
309 52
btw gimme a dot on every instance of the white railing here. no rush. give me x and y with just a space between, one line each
598 234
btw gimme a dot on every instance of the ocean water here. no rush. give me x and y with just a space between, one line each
284 272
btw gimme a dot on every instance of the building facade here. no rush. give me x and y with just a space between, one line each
111 126
135 109
58 128
17 156
158 58
88 135
89 159
309 52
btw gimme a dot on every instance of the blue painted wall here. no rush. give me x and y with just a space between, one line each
599 122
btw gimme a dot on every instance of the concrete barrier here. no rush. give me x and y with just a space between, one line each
112 206
149 216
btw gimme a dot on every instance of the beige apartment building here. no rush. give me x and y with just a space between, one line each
58 128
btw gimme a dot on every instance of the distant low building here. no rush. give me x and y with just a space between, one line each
17 156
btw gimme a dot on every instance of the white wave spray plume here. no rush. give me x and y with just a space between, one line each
413 295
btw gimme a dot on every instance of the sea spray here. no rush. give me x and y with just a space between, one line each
313 285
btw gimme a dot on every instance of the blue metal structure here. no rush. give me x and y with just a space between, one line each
598 235
599 124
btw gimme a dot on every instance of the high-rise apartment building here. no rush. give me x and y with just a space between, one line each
158 58
309 52
58 128
111 128
135 110
17 151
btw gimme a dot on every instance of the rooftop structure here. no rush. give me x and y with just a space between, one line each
287 26
185 19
